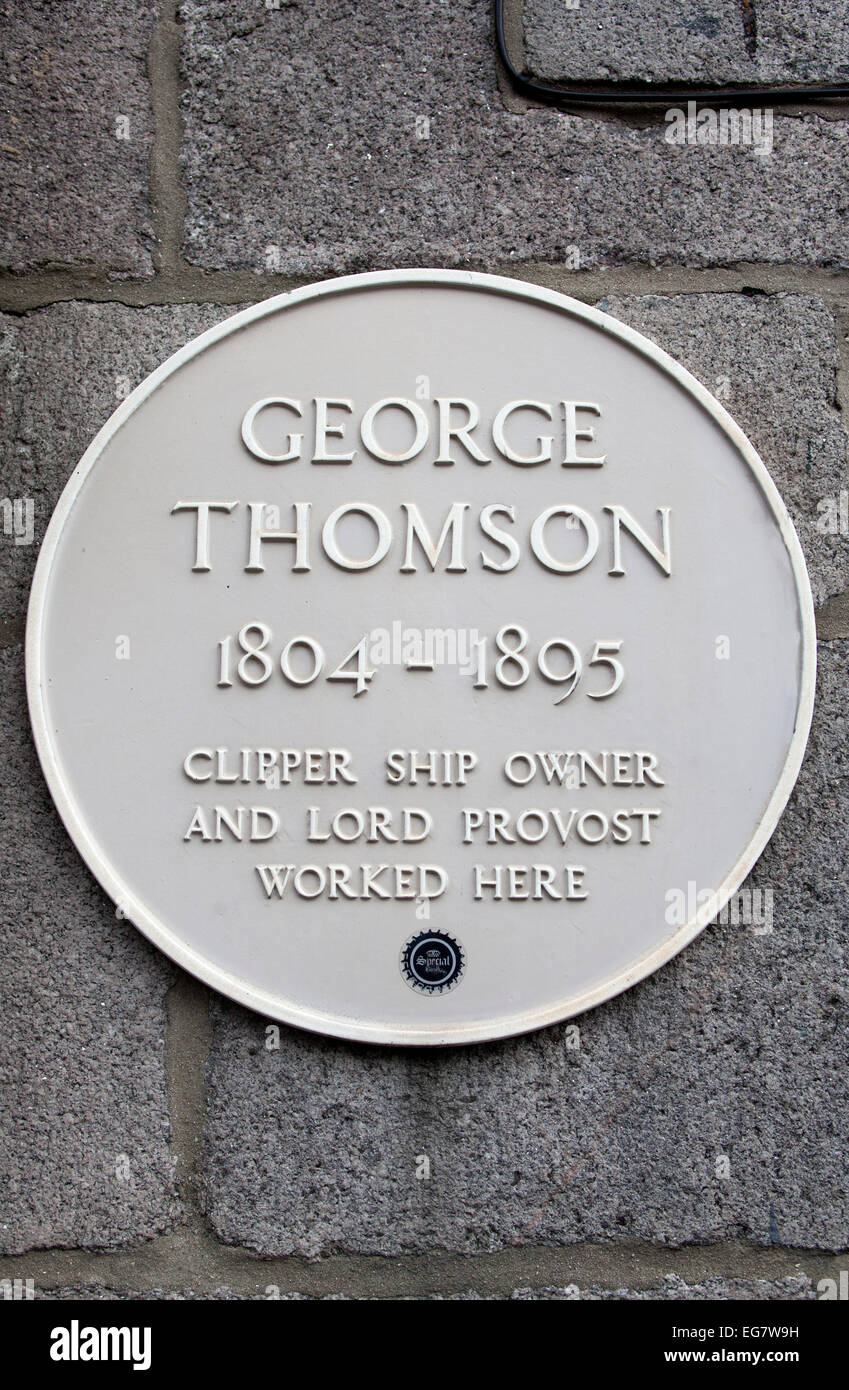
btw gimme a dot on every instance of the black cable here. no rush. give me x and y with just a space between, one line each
649 95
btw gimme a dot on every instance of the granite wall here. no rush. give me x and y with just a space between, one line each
163 164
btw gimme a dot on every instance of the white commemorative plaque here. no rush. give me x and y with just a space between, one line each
420 657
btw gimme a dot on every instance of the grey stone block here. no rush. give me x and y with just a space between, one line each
84 1143
82 1067
768 42
73 190
96 1293
99 1293
304 153
63 370
772 361
734 1051
794 1288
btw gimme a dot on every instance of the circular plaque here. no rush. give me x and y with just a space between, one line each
421 657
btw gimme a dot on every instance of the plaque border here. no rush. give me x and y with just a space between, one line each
342 1026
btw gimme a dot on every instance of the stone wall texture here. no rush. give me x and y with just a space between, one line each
163 164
